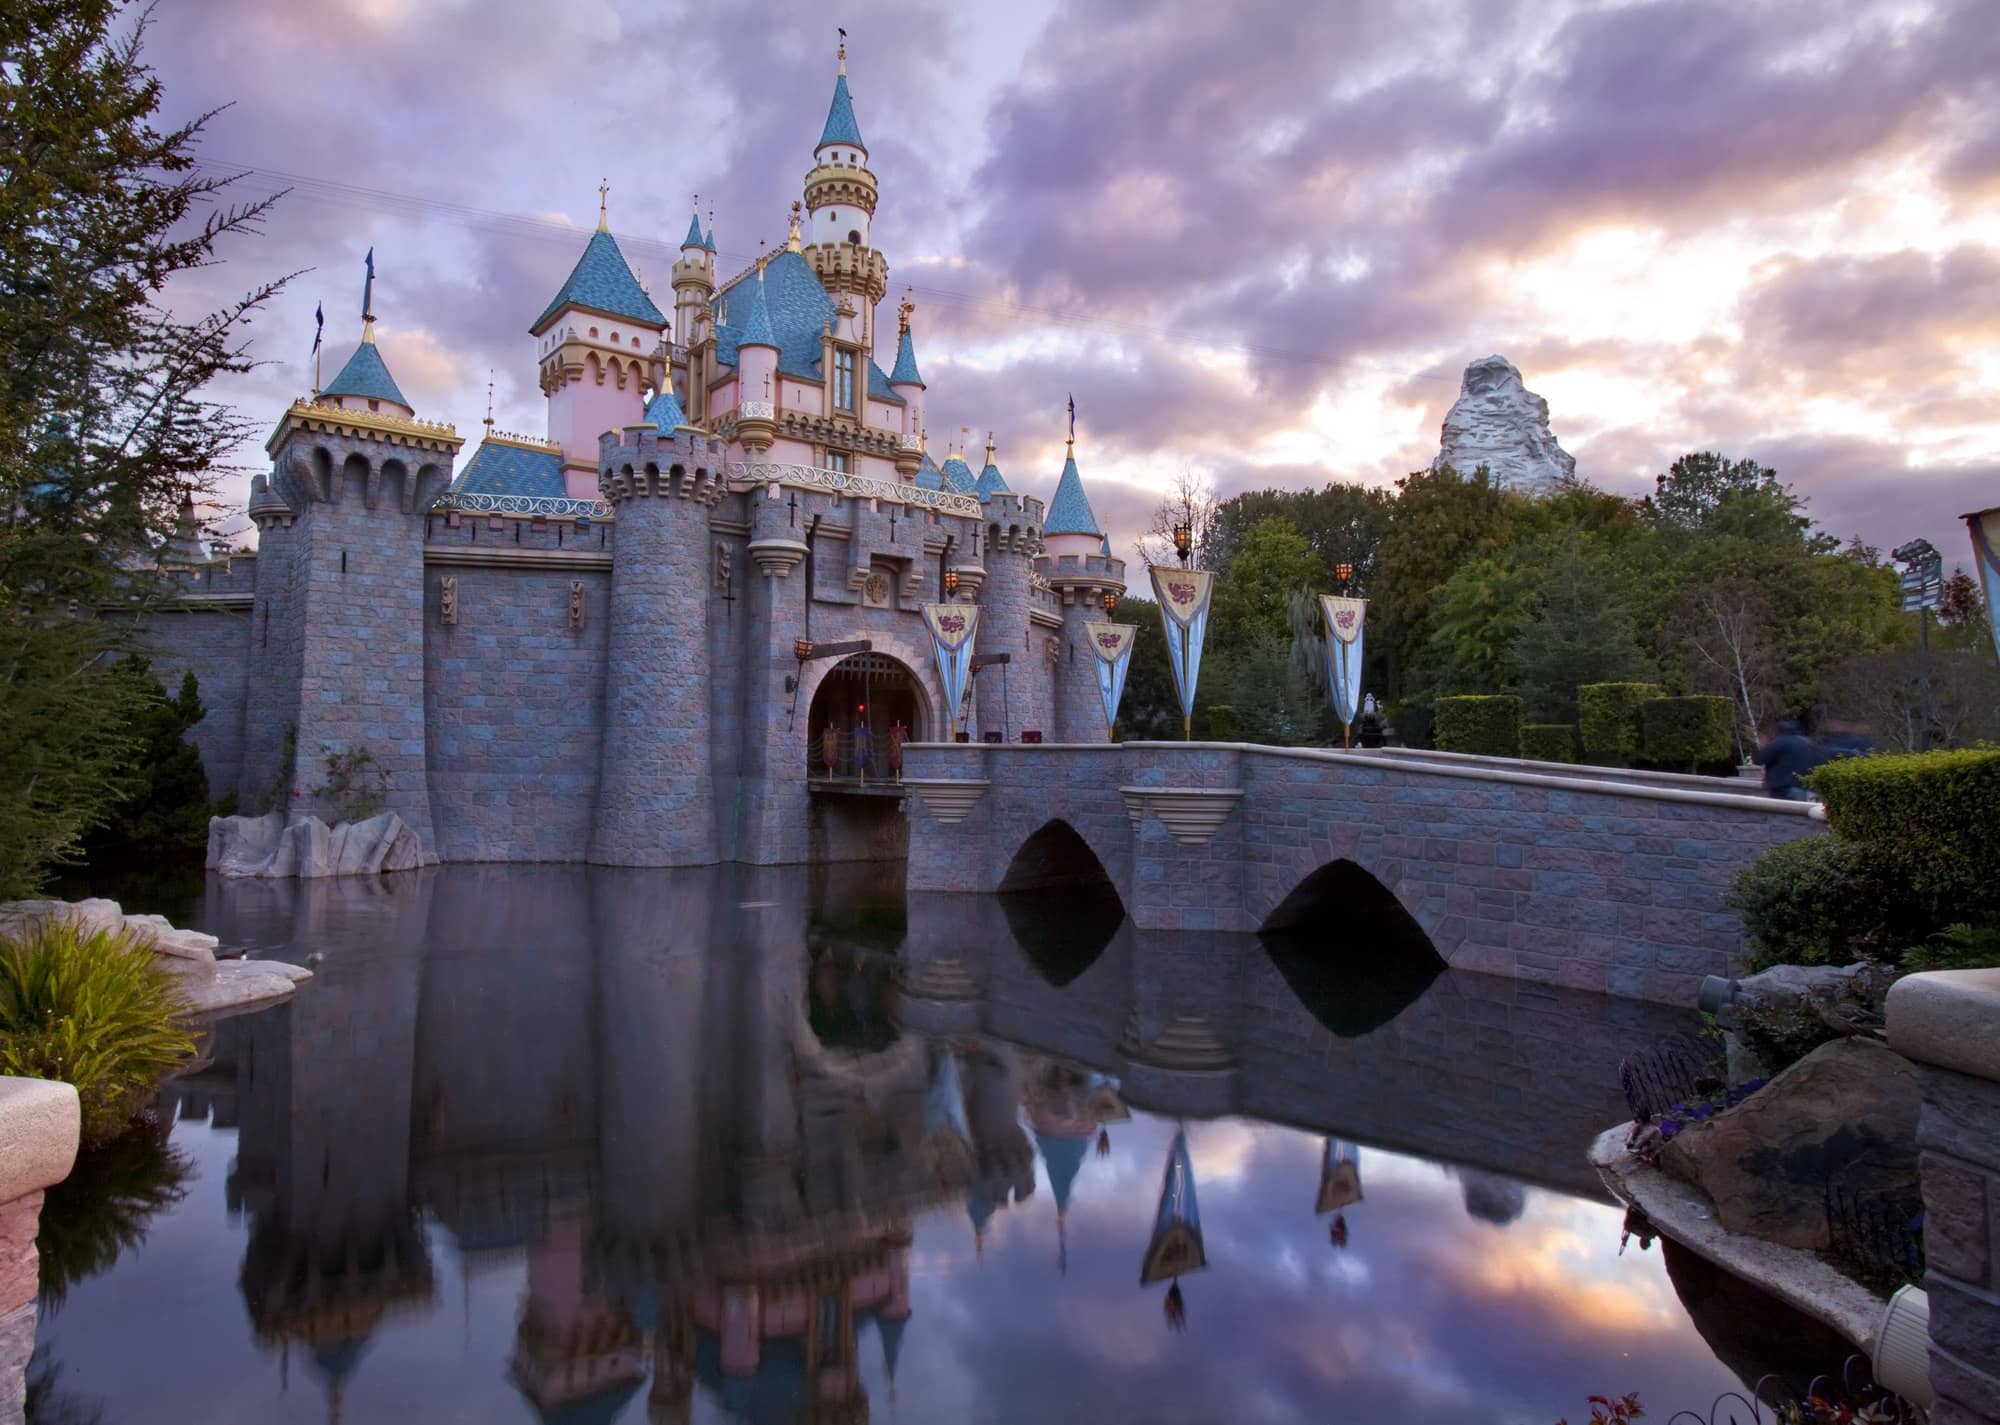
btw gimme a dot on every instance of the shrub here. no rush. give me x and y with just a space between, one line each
356 786
93 1011
1608 716
1806 902
1548 742
1927 821
1490 726
1685 732
163 815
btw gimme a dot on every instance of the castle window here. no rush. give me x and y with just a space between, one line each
843 379
374 405
838 461
593 331
614 337
854 236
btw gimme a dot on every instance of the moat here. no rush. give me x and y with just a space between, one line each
778 1145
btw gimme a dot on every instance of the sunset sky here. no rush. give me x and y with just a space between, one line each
1261 239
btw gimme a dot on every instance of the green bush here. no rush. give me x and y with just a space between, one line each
92 1011
1490 726
1548 742
1608 717
163 815
1683 733
1807 902
1926 821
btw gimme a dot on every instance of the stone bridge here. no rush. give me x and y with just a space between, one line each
1582 877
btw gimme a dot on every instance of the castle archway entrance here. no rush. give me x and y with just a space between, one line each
863 692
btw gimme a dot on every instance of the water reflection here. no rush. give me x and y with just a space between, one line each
753 1145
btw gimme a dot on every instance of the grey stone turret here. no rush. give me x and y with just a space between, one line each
656 799
1081 580
1008 702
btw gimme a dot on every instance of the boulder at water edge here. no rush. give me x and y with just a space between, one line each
1846 1112
304 846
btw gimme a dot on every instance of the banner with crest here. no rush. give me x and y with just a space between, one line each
1111 651
1176 1246
952 627
1344 618
1184 596
1985 528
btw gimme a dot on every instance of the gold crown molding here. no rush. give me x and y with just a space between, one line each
523 442
303 414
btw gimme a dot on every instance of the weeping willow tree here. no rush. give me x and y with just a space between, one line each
104 425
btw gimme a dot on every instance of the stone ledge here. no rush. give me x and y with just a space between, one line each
40 1121
1950 1019
1798 1278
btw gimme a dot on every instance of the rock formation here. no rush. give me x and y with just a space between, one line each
1499 423
304 846
206 986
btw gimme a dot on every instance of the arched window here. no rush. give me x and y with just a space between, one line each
593 331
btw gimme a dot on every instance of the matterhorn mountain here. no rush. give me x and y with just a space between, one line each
1499 423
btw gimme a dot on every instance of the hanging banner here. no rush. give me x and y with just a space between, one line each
1339 1177
1985 528
1183 596
1111 648
1344 618
952 627
1176 1246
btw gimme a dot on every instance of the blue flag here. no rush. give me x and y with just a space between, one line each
368 289
319 325
1072 417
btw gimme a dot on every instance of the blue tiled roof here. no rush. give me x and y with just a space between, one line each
664 411
906 362
928 476
694 237
958 476
990 483
709 241
501 468
757 331
1063 1156
1069 512
603 282
797 308
840 125
366 375
1105 545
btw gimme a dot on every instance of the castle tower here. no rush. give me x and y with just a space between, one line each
655 801
360 471
840 196
905 381
595 344
271 692
1082 570
1015 699
694 286
757 374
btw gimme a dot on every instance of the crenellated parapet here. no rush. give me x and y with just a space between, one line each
638 462
323 454
1080 576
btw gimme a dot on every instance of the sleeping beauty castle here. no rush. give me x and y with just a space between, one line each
683 626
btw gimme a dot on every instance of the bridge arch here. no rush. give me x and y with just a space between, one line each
1062 934
1349 948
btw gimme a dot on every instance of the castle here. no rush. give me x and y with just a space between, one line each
627 643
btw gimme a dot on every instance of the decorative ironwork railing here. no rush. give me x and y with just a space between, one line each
853 487
531 506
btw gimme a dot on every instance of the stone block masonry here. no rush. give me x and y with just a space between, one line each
39 1124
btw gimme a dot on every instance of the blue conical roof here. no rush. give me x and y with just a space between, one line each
709 241
366 375
694 237
664 411
990 483
603 282
929 477
757 331
1069 512
1063 1156
892 1341
906 362
840 125
958 476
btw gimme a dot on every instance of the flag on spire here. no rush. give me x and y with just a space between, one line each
319 325
368 290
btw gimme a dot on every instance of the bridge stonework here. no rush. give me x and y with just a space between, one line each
1588 883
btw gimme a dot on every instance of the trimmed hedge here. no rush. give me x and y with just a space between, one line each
1806 902
1928 821
1683 733
1608 717
1548 742
1490 726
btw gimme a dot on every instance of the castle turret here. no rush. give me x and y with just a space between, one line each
361 472
655 802
595 343
1081 571
757 374
694 285
840 196
1015 699
905 381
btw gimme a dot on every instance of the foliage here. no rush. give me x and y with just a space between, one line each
1606 1411
1806 902
1343 524
278 794
103 425
1927 821
164 813
1253 600
1700 1110
1490 726
1685 733
1885 692
104 1207
1190 502
1959 946
1608 718
1582 632
356 785
1150 711
1548 742
92 1011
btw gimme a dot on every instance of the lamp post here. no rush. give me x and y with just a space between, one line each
1923 583
1110 602
950 584
1183 542
1346 572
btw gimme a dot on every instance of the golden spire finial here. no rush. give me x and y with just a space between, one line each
843 51
603 200
792 237
489 400
989 447
904 312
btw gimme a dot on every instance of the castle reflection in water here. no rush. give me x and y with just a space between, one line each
708 1106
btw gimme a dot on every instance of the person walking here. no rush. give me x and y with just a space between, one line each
1786 758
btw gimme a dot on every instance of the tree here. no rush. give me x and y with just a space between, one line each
1582 635
103 424
1252 596
1697 486
1343 523
1190 503
164 813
